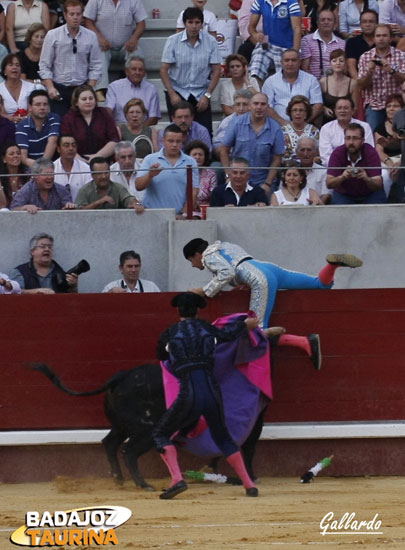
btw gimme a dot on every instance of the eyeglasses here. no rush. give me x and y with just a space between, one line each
43 246
74 42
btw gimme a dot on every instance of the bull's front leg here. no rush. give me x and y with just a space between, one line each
132 450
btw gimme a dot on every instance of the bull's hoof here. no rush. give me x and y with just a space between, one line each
174 490
252 492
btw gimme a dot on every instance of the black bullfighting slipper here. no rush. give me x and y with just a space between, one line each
174 490
316 355
344 260
252 492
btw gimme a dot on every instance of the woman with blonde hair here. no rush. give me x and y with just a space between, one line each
237 68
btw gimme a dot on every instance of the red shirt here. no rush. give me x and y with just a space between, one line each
90 137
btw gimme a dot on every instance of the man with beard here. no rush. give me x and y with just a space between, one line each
357 183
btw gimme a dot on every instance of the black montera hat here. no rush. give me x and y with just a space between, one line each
188 299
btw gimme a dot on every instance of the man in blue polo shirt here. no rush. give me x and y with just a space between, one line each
37 135
257 138
165 180
282 25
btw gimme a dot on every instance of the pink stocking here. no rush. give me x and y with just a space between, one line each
170 459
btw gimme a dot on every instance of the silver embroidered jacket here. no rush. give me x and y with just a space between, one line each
222 258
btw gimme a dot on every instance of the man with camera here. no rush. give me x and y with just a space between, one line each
381 73
42 275
357 183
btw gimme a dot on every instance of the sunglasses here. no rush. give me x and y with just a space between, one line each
74 42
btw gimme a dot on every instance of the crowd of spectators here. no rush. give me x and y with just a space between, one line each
312 106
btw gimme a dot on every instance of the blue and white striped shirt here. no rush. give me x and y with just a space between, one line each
190 65
60 64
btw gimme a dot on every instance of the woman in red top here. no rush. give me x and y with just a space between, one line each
93 127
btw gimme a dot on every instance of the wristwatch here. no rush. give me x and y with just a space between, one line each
208 95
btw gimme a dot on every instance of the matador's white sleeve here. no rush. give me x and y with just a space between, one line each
224 273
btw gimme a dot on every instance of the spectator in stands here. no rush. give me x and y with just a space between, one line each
70 57
130 267
2 22
13 90
92 126
144 138
282 26
11 164
191 67
210 19
236 66
249 43
357 183
70 170
257 138
317 47
37 135
241 105
299 110
307 152
118 26
238 191
29 58
168 188
133 86
332 133
350 14
294 190
20 16
42 275
361 43
397 192
313 7
102 193
41 192
381 72
8 286
290 81
7 128
125 170
183 116
337 85
388 144
393 14
199 151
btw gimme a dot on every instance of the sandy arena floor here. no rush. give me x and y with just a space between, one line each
286 515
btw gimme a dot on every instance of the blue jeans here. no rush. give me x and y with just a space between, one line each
376 197
375 118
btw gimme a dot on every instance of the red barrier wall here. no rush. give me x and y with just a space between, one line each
86 338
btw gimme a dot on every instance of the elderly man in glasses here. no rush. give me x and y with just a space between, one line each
70 56
42 275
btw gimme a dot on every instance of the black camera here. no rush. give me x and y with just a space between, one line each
401 132
377 61
82 267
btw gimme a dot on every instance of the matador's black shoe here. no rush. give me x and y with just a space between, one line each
252 492
316 355
174 490
344 260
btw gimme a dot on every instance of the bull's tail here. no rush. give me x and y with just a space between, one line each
48 372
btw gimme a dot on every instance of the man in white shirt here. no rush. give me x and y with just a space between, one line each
124 170
130 267
70 171
332 134
307 151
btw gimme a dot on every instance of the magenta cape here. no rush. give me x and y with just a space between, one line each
242 368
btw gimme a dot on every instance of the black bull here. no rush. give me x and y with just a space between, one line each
134 401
